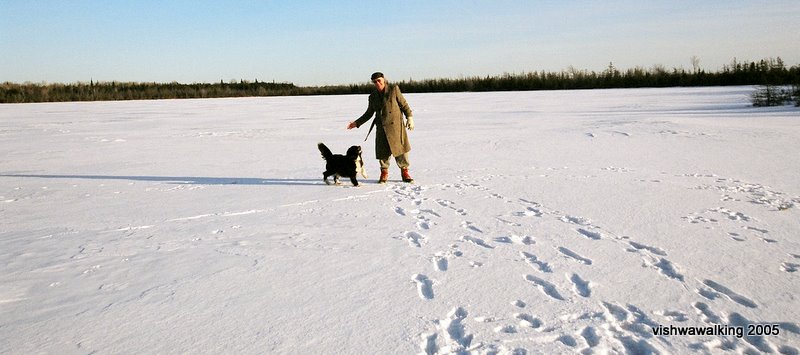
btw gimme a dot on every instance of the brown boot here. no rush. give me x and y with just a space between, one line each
406 176
384 176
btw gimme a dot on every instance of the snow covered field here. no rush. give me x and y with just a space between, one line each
552 222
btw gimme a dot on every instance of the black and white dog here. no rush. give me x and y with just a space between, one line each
342 165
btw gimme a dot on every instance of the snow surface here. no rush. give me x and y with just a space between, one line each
552 222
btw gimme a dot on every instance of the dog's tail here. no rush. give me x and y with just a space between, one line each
326 153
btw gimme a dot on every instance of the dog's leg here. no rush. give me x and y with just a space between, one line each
353 180
336 179
325 178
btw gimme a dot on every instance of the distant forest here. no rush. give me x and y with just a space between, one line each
764 72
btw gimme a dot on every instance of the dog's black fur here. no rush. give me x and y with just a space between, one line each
348 165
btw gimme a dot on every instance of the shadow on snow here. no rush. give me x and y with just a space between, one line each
182 180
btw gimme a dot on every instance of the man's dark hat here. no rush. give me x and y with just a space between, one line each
376 75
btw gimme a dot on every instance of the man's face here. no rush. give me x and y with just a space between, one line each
380 83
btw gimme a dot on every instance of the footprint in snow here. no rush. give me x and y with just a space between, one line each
590 336
568 340
736 236
454 333
664 266
423 225
529 212
544 286
468 225
414 239
440 262
638 246
580 286
589 234
528 321
575 220
477 241
424 286
515 239
732 295
789 267
507 329
672 315
533 261
575 256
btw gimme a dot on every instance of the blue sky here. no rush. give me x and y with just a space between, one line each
343 42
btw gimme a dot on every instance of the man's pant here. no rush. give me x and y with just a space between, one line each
402 161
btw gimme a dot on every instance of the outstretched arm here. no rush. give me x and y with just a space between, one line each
366 116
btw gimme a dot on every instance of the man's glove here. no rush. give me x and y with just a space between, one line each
410 123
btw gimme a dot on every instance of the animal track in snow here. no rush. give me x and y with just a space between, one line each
575 256
696 218
449 204
737 190
617 169
544 286
734 216
424 286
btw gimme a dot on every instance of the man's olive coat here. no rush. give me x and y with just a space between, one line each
391 138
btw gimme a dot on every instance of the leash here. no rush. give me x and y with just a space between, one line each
370 129
374 122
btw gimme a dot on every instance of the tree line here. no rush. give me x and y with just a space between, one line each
768 71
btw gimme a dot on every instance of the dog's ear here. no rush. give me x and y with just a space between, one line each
354 151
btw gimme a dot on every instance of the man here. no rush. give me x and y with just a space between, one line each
391 139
